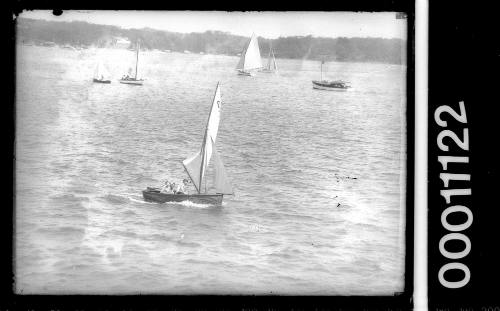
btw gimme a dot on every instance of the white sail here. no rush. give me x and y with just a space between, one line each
241 62
197 164
192 166
221 182
100 72
250 57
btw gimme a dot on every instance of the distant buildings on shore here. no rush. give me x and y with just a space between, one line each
114 43
121 43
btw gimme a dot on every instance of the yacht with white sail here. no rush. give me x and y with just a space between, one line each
197 167
101 74
250 60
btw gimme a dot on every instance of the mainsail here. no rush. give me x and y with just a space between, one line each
221 182
250 57
197 164
100 72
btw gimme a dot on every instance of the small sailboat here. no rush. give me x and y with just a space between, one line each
128 79
330 85
271 62
197 166
250 58
101 75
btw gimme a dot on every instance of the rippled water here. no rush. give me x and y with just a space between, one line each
85 151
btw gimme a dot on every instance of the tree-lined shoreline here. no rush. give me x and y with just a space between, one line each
83 34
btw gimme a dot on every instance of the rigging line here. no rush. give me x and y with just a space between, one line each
189 175
136 59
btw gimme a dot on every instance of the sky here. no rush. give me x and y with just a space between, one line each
270 25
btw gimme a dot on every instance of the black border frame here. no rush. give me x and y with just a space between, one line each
401 301
463 48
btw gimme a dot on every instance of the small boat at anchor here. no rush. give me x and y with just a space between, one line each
337 85
330 85
129 79
197 166
250 58
101 74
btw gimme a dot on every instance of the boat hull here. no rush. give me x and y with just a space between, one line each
268 71
327 88
246 73
102 81
158 197
132 82
330 86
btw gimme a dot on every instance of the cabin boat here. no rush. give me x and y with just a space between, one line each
197 166
337 85
250 58
329 85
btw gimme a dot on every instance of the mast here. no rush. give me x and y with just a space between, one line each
136 59
203 157
269 58
322 61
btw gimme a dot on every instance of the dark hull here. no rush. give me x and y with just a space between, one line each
331 85
158 197
102 81
245 73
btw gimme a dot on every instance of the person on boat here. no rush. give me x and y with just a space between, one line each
167 188
181 188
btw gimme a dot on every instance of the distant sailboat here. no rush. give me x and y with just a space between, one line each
250 58
129 79
271 62
196 166
101 75
337 85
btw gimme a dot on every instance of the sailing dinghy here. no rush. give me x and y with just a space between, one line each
197 165
133 80
328 85
101 75
250 58
271 67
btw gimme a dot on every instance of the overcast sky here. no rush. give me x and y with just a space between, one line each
269 25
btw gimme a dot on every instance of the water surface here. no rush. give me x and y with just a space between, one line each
319 177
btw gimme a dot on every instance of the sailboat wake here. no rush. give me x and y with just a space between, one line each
191 204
